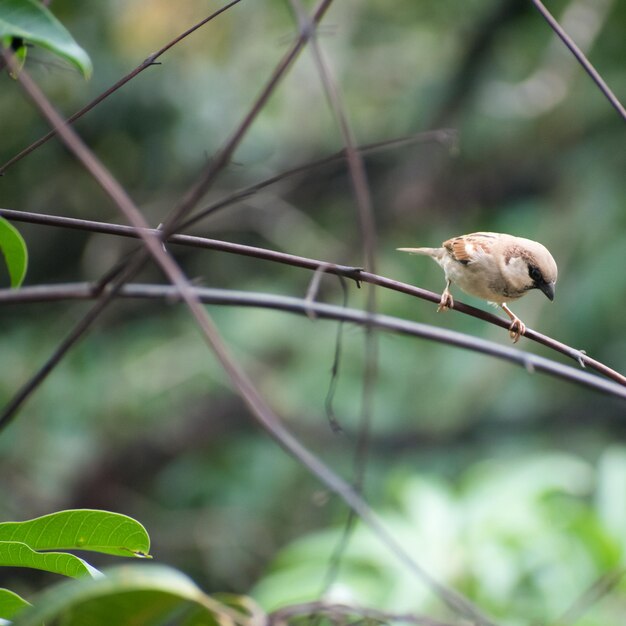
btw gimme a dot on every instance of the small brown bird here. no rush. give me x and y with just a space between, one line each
495 267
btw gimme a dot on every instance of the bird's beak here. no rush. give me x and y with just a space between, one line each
548 289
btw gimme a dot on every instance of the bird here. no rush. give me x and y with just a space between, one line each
496 267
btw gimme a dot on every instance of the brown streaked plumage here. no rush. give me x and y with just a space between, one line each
496 267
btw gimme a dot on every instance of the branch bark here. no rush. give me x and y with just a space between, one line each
226 297
293 260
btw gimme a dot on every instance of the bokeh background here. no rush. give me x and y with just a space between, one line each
509 486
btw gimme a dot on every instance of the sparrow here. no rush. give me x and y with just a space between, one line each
496 267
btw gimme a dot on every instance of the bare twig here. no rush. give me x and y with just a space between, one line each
300 306
581 58
282 616
347 271
148 62
600 588
353 156
105 290
367 225
334 370
444 136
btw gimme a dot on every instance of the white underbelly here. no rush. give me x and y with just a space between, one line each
476 280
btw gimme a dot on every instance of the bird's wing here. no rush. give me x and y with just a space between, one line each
468 248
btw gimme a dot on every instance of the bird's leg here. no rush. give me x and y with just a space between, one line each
517 327
447 300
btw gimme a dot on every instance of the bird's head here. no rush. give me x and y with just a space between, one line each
529 265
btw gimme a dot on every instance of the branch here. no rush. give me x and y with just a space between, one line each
445 136
339 612
581 58
293 260
226 297
365 212
150 61
353 156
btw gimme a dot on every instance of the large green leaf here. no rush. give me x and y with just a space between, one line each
81 529
17 554
131 594
13 247
10 604
31 21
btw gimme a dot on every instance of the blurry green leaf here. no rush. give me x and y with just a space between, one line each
18 554
10 604
13 247
136 594
32 21
245 606
81 529
611 491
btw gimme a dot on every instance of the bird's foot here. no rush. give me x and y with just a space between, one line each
446 302
517 329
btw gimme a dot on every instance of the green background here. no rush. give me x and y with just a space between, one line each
507 485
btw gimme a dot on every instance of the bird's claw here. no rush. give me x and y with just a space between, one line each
517 329
446 302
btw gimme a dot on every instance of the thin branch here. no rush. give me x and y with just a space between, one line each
282 616
444 136
227 297
150 61
596 592
581 58
112 282
353 156
334 370
369 238
293 260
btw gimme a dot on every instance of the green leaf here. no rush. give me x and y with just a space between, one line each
17 554
32 21
81 529
13 247
131 594
11 604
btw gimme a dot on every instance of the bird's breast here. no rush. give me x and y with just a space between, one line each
479 279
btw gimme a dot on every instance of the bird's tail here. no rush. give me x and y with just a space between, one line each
434 252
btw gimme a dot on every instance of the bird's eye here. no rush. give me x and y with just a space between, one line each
534 273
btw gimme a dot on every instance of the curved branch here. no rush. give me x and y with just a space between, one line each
293 260
337 613
226 297
445 136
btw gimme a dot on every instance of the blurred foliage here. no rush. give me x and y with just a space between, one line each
139 418
522 536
